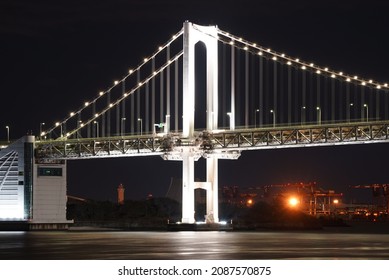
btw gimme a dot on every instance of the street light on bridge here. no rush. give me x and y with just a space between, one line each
97 128
141 125
302 114
274 117
7 127
318 109
40 129
123 126
255 117
349 113
367 112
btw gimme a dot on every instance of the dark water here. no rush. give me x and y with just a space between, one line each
192 245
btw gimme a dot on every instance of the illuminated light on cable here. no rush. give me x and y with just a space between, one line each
311 64
274 58
57 124
231 42
283 55
386 85
340 73
333 76
82 125
260 53
240 39
355 77
125 94
68 134
116 82
254 45
303 67
71 114
101 93
96 115
348 80
86 104
174 37
131 71
246 48
289 63
363 83
269 50
318 72
370 81
145 59
155 72
160 48
326 69
378 86
110 105
140 84
297 60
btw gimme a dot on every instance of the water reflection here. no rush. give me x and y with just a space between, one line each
192 245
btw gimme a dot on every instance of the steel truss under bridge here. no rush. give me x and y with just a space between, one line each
216 142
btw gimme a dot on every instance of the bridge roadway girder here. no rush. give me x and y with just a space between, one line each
222 144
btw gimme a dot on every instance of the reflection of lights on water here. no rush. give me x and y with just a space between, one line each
222 222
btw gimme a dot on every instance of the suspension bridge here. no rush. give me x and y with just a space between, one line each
204 93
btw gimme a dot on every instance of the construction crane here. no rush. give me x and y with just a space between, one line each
379 191
309 197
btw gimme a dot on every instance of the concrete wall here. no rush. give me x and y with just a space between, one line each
49 194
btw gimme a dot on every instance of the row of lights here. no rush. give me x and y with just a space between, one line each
116 82
290 61
125 95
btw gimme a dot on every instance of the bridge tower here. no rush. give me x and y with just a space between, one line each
192 35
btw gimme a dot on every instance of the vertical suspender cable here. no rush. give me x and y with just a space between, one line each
132 101
153 96
275 90
260 105
161 95
348 102
332 100
377 104
362 103
109 114
247 110
138 97
78 134
340 101
386 102
304 97
289 95
232 115
123 111
296 94
147 108
168 89
94 124
176 114
311 96
318 96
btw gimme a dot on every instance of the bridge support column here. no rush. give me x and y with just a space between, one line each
212 192
188 207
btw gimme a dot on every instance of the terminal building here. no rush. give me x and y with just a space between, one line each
31 193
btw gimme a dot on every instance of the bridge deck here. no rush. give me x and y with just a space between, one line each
217 141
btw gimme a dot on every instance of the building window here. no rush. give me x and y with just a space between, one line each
49 171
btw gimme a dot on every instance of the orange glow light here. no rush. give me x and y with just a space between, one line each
293 201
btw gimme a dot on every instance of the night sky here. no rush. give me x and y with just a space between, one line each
54 55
